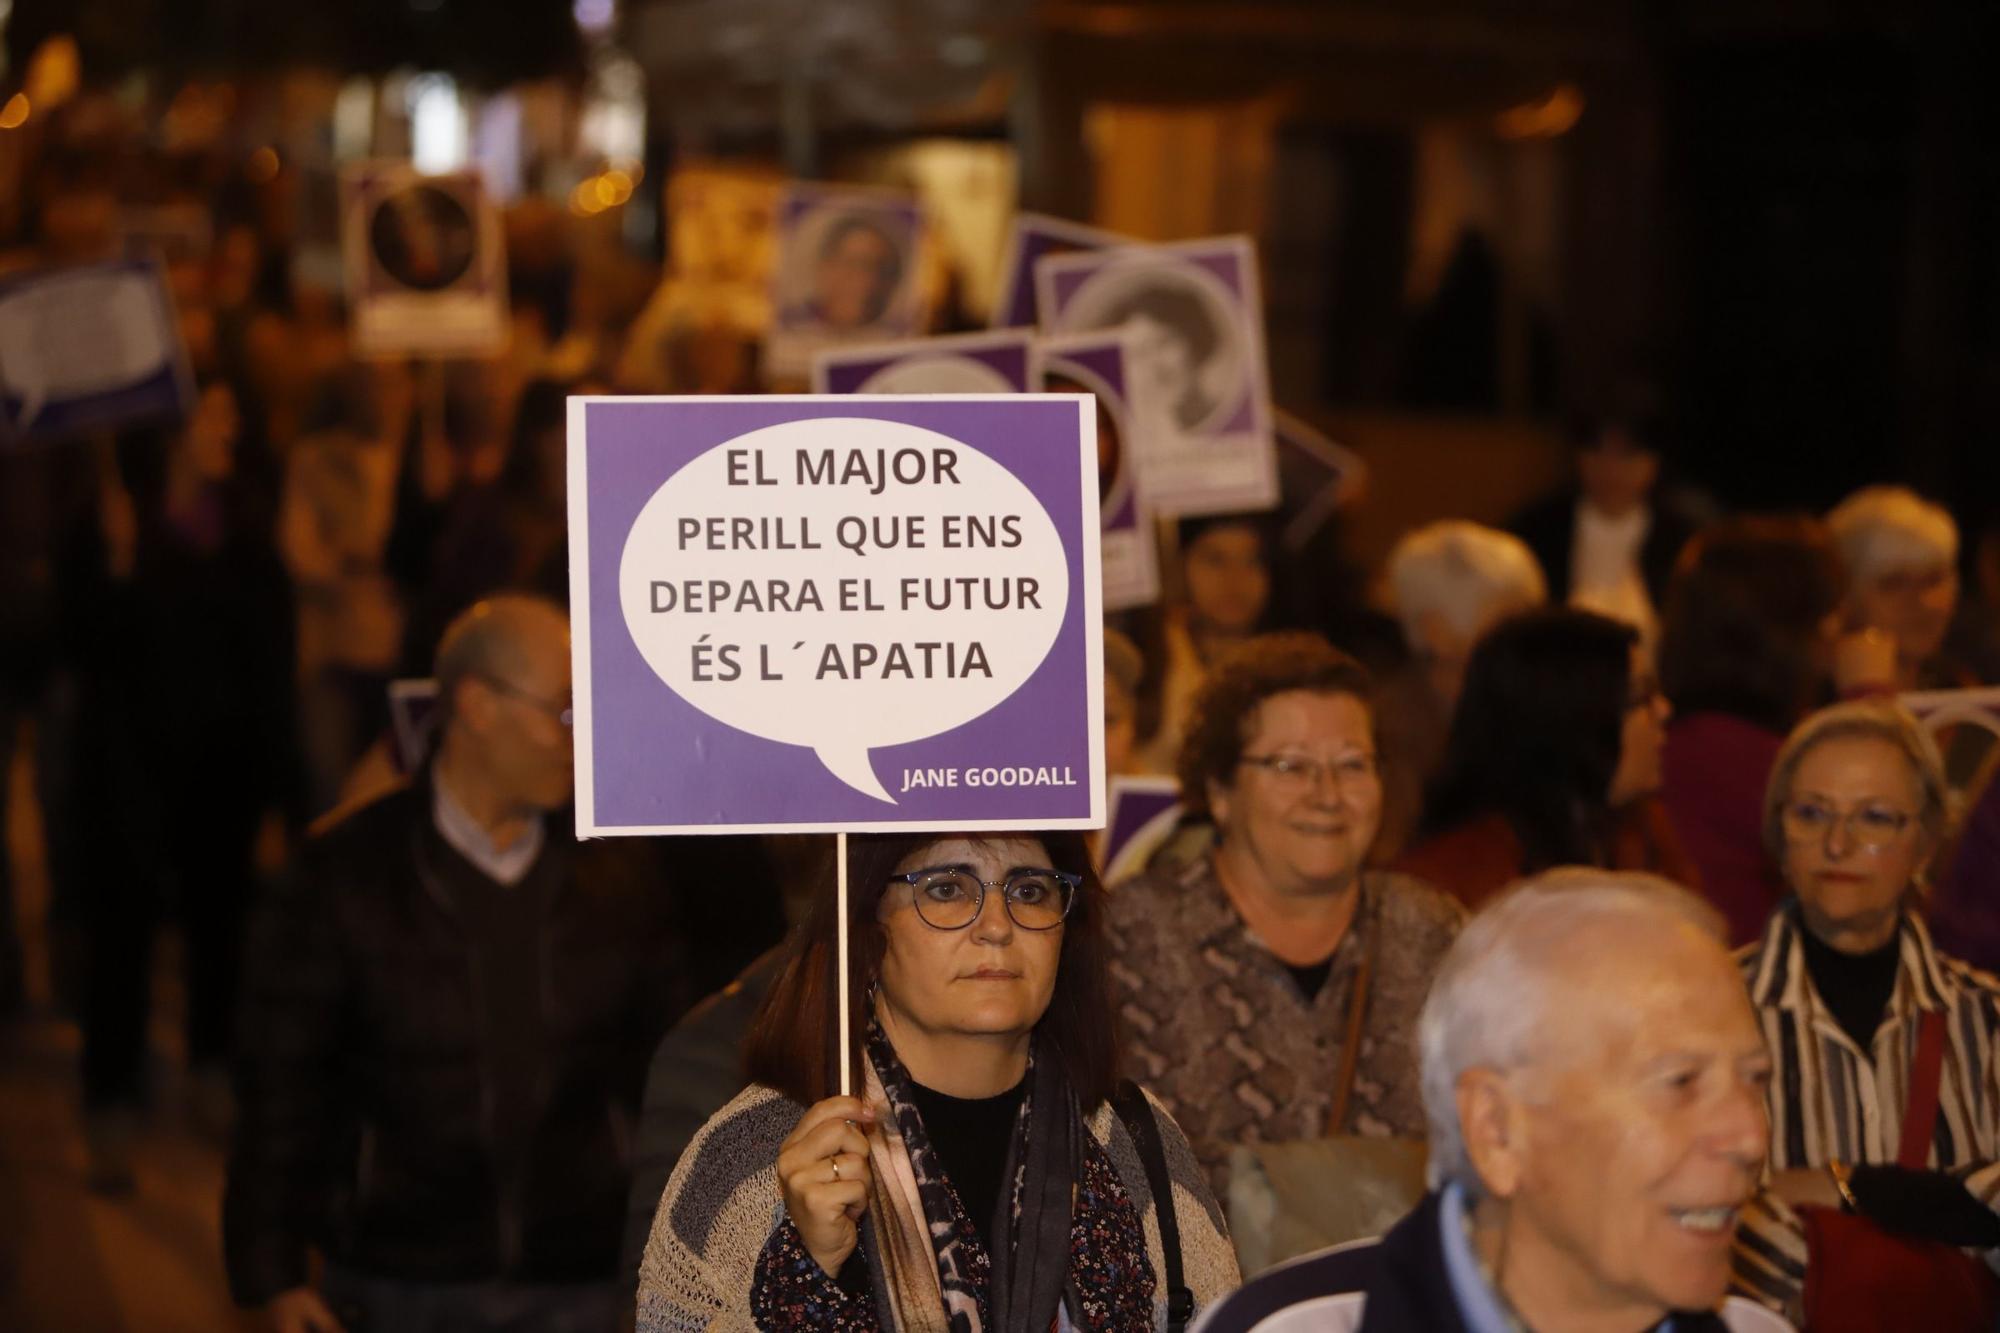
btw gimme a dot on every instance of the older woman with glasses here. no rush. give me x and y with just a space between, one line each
1270 990
1885 1100
990 1172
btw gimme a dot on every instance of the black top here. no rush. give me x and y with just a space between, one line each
1311 978
971 1137
1855 986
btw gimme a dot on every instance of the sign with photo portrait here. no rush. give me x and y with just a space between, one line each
996 362
848 269
1032 238
1096 364
425 262
1194 324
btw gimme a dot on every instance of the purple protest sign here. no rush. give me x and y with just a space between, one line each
1096 364
849 270
1033 237
1196 327
88 348
425 262
959 363
823 614
1144 813
412 719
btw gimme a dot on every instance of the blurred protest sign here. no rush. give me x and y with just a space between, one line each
1033 237
1316 478
425 265
1145 810
809 614
412 720
1096 364
848 269
997 362
1195 325
88 348
1965 724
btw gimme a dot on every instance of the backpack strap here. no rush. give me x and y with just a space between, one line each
1140 1123
1926 1076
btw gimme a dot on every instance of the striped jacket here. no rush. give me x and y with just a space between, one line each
1829 1099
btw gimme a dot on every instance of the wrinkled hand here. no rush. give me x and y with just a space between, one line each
823 1205
300 1310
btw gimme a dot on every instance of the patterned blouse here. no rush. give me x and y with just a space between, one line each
1216 1027
1830 1099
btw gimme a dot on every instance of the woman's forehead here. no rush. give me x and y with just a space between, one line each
1309 717
1001 851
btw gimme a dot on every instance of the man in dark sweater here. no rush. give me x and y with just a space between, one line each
448 1022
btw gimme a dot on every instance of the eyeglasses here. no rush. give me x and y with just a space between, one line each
1299 772
1870 826
952 897
558 709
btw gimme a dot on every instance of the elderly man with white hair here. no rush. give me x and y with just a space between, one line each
1901 555
1594 1081
1447 582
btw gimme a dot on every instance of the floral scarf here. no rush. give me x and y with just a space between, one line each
938 1276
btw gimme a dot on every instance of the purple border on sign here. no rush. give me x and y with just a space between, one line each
1107 363
1009 362
1225 267
903 213
657 760
165 395
372 186
1036 241
1131 810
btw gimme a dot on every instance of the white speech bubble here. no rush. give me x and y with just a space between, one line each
841 720
79 334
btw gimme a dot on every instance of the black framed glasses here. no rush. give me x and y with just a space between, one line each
952 897
1874 827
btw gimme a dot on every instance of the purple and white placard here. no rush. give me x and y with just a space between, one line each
1145 810
88 348
997 362
424 260
1196 323
413 706
1032 237
827 614
848 270
1316 475
1096 363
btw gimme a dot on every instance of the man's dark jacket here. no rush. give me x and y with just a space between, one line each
438 1074
1403 1274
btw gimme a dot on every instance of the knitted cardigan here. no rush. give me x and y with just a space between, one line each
723 1201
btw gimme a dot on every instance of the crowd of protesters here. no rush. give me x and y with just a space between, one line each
476 1074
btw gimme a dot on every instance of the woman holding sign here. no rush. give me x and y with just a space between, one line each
991 1174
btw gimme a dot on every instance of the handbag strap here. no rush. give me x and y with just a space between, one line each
1350 1046
1926 1078
1137 1114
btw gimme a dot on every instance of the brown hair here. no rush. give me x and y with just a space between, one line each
792 1040
1742 631
1268 665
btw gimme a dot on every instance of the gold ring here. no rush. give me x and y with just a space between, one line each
836 1167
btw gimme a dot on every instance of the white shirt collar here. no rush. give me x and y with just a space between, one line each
505 865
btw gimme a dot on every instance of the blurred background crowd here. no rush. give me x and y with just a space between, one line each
1686 315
